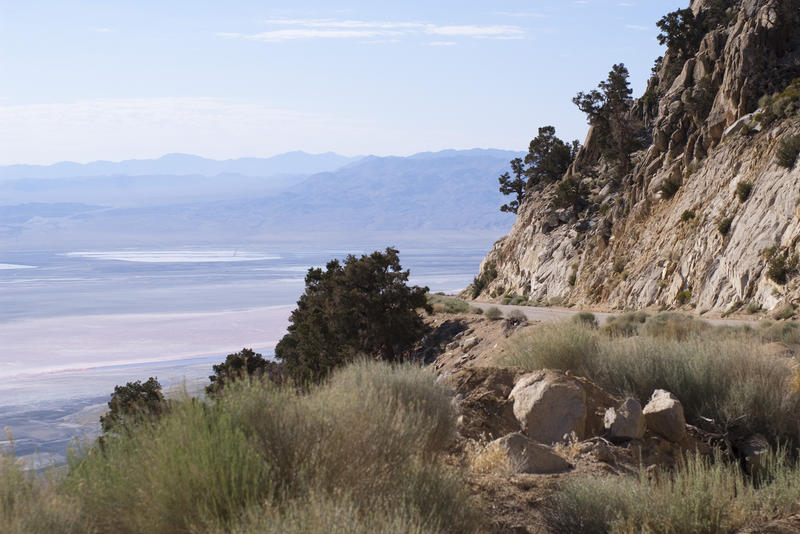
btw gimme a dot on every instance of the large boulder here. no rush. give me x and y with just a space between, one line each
524 455
664 416
549 406
625 422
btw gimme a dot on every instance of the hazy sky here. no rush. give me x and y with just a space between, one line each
83 80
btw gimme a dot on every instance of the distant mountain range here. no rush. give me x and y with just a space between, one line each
449 191
185 164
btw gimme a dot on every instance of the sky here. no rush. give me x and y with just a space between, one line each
88 80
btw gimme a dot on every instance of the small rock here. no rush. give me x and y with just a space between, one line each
602 453
625 422
469 343
549 405
664 416
451 346
526 456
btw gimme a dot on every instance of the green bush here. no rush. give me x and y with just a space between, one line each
516 318
670 187
785 312
493 313
445 304
687 216
779 105
619 264
506 300
486 277
683 297
673 326
586 318
788 149
474 310
625 325
753 307
724 226
238 365
133 403
519 301
743 190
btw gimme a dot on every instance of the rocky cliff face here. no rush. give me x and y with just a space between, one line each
654 233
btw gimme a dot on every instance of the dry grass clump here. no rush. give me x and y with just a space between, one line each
32 504
484 459
445 304
627 324
493 313
701 495
673 326
723 375
360 453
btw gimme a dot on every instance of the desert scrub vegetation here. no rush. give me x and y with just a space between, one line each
486 277
493 313
788 149
724 226
743 190
779 105
359 453
726 378
446 304
701 495
586 319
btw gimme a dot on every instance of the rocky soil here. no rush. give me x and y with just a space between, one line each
523 434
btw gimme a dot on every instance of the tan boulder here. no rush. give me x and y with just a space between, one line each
625 422
664 416
549 406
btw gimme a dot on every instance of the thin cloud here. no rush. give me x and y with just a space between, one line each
304 29
442 43
521 14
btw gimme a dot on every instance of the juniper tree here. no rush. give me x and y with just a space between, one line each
360 308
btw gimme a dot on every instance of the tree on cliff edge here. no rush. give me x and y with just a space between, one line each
608 112
547 160
360 308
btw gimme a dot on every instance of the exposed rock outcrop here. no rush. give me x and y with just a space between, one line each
651 233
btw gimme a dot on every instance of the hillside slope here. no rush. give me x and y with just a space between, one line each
652 236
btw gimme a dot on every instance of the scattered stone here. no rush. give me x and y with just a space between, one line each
469 343
664 416
602 453
625 422
549 406
526 456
